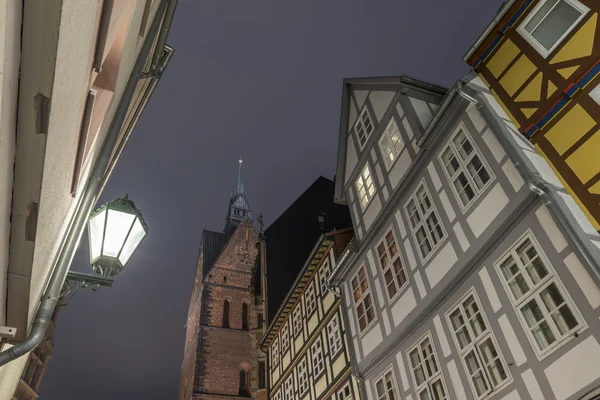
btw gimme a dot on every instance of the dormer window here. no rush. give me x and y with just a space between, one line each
364 127
365 187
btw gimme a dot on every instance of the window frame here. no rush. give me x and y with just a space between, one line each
279 394
534 294
303 371
289 387
314 357
275 352
386 135
474 345
312 295
463 167
361 122
361 181
360 300
395 389
432 211
390 264
334 336
298 325
285 337
340 391
545 53
428 380
324 278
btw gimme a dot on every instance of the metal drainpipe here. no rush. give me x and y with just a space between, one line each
164 32
50 297
543 189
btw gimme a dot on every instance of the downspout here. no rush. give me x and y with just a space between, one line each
164 32
337 292
88 199
548 193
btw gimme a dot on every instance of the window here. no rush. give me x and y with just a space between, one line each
550 22
262 375
322 219
275 352
546 314
333 335
391 143
425 224
259 321
364 127
391 264
302 376
465 168
429 381
289 388
324 274
345 393
481 357
297 317
386 386
318 363
311 301
365 187
243 384
595 94
362 299
245 316
226 314
278 394
285 338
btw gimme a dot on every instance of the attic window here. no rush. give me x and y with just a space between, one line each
364 127
322 218
550 22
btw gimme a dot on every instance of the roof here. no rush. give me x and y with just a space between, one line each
325 242
213 244
399 81
290 238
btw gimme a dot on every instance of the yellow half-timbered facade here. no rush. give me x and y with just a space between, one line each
306 343
541 60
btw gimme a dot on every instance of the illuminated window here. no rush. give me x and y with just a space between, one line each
550 22
391 143
365 187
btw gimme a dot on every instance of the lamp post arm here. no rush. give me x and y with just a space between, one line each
52 293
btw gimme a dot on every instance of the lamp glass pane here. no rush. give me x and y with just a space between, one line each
96 230
134 239
117 228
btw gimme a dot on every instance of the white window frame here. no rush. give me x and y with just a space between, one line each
394 388
595 94
362 183
421 223
534 294
278 394
285 337
334 336
389 265
310 298
317 357
391 151
324 274
289 387
429 380
297 318
341 395
462 167
360 125
275 352
474 345
361 299
303 376
533 41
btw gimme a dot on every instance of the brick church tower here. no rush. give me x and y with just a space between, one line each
219 360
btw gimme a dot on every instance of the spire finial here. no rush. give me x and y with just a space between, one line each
239 188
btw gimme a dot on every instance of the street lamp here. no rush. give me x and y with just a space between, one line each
115 231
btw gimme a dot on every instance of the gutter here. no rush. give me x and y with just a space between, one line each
164 32
88 199
501 13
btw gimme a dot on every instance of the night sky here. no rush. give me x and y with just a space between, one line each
262 78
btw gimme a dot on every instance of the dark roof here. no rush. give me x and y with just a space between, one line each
291 237
213 244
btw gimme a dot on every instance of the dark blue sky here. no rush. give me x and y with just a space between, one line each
260 77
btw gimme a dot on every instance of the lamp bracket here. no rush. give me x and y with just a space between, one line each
80 280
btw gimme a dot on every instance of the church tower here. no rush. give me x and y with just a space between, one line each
219 359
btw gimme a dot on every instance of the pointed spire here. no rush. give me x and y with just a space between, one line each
239 188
